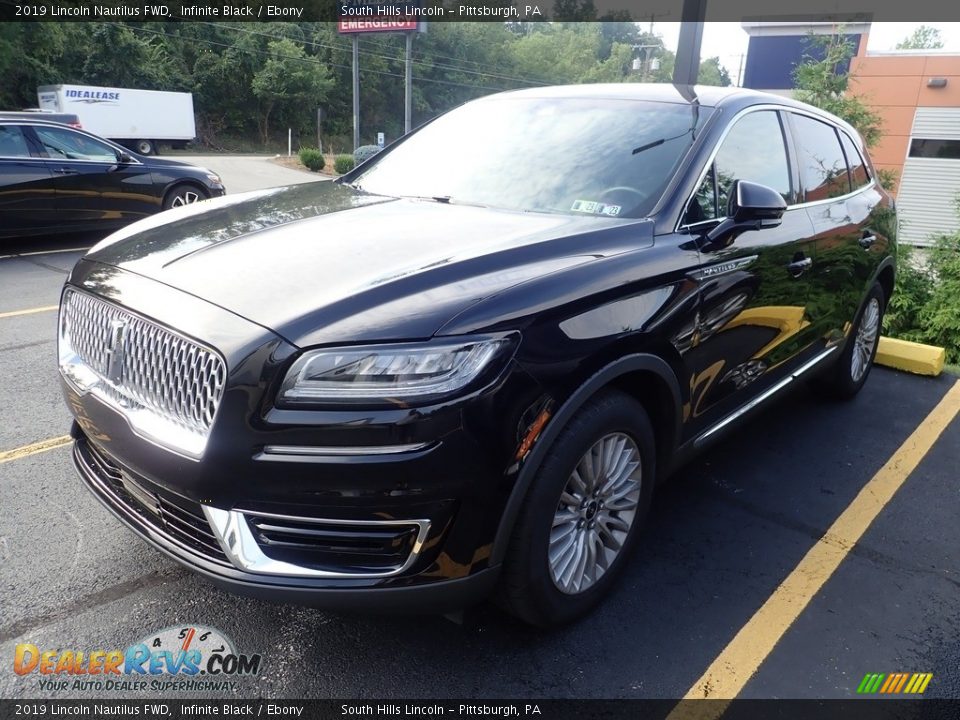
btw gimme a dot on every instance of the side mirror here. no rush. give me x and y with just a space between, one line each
751 207
123 157
750 202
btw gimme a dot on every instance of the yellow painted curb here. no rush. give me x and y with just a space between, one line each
910 356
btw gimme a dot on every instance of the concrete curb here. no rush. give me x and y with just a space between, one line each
910 356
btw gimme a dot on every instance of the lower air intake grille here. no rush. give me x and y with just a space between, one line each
177 518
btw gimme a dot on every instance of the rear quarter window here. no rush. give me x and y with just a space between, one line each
859 177
823 167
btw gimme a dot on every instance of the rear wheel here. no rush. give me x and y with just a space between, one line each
146 147
583 513
181 195
845 378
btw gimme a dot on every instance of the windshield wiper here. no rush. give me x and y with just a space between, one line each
661 141
444 200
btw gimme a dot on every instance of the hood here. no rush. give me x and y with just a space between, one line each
324 263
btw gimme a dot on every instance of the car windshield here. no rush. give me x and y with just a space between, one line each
602 157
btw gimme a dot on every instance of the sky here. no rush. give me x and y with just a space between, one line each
729 41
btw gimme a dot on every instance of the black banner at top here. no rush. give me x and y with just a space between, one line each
373 12
470 709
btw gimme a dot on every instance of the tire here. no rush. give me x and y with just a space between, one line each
145 147
849 373
183 194
542 593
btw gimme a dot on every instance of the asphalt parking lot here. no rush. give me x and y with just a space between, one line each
728 537
241 173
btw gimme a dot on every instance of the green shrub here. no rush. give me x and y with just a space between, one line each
925 306
910 293
940 315
365 152
312 158
343 164
888 179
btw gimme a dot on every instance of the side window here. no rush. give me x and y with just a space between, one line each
753 150
13 143
858 168
63 144
823 169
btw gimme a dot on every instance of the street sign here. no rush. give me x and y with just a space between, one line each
381 140
351 25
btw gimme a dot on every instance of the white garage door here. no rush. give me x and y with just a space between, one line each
930 183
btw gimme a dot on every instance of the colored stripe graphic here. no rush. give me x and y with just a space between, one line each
891 680
894 683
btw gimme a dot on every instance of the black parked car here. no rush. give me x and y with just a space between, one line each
55 178
465 366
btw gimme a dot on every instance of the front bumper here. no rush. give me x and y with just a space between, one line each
198 551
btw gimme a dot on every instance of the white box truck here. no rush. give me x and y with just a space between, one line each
137 119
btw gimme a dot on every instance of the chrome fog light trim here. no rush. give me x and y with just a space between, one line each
233 532
359 450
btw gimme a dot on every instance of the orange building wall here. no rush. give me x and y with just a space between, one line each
895 86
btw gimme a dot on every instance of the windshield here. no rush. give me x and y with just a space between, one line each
603 157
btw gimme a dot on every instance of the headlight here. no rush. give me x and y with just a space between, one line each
384 372
214 178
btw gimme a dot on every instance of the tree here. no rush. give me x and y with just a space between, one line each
120 57
713 73
923 38
288 81
823 80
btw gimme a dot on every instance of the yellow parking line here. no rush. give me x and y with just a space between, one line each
742 657
29 311
34 448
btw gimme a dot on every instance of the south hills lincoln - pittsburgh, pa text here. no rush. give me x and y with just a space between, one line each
395 11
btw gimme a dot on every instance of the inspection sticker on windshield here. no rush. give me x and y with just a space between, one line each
595 208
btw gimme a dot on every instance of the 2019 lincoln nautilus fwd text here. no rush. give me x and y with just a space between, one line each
461 369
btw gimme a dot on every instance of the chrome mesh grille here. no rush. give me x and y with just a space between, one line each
159 371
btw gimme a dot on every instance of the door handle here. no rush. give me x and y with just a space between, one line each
66 171
867 240
798 267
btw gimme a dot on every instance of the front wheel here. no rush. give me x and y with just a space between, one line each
146 147
183 195
582 514
845 378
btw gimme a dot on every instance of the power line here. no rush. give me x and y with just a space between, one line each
393 58
303 59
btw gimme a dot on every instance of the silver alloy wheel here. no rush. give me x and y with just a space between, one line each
596 510
865 340
187 197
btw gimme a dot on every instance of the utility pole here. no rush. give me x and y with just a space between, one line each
408 87
644 64
356 91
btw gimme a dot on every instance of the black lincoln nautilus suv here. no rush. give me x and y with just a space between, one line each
462 369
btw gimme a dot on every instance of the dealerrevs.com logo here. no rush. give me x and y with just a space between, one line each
175 658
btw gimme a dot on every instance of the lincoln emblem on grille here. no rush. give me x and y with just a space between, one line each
115 351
